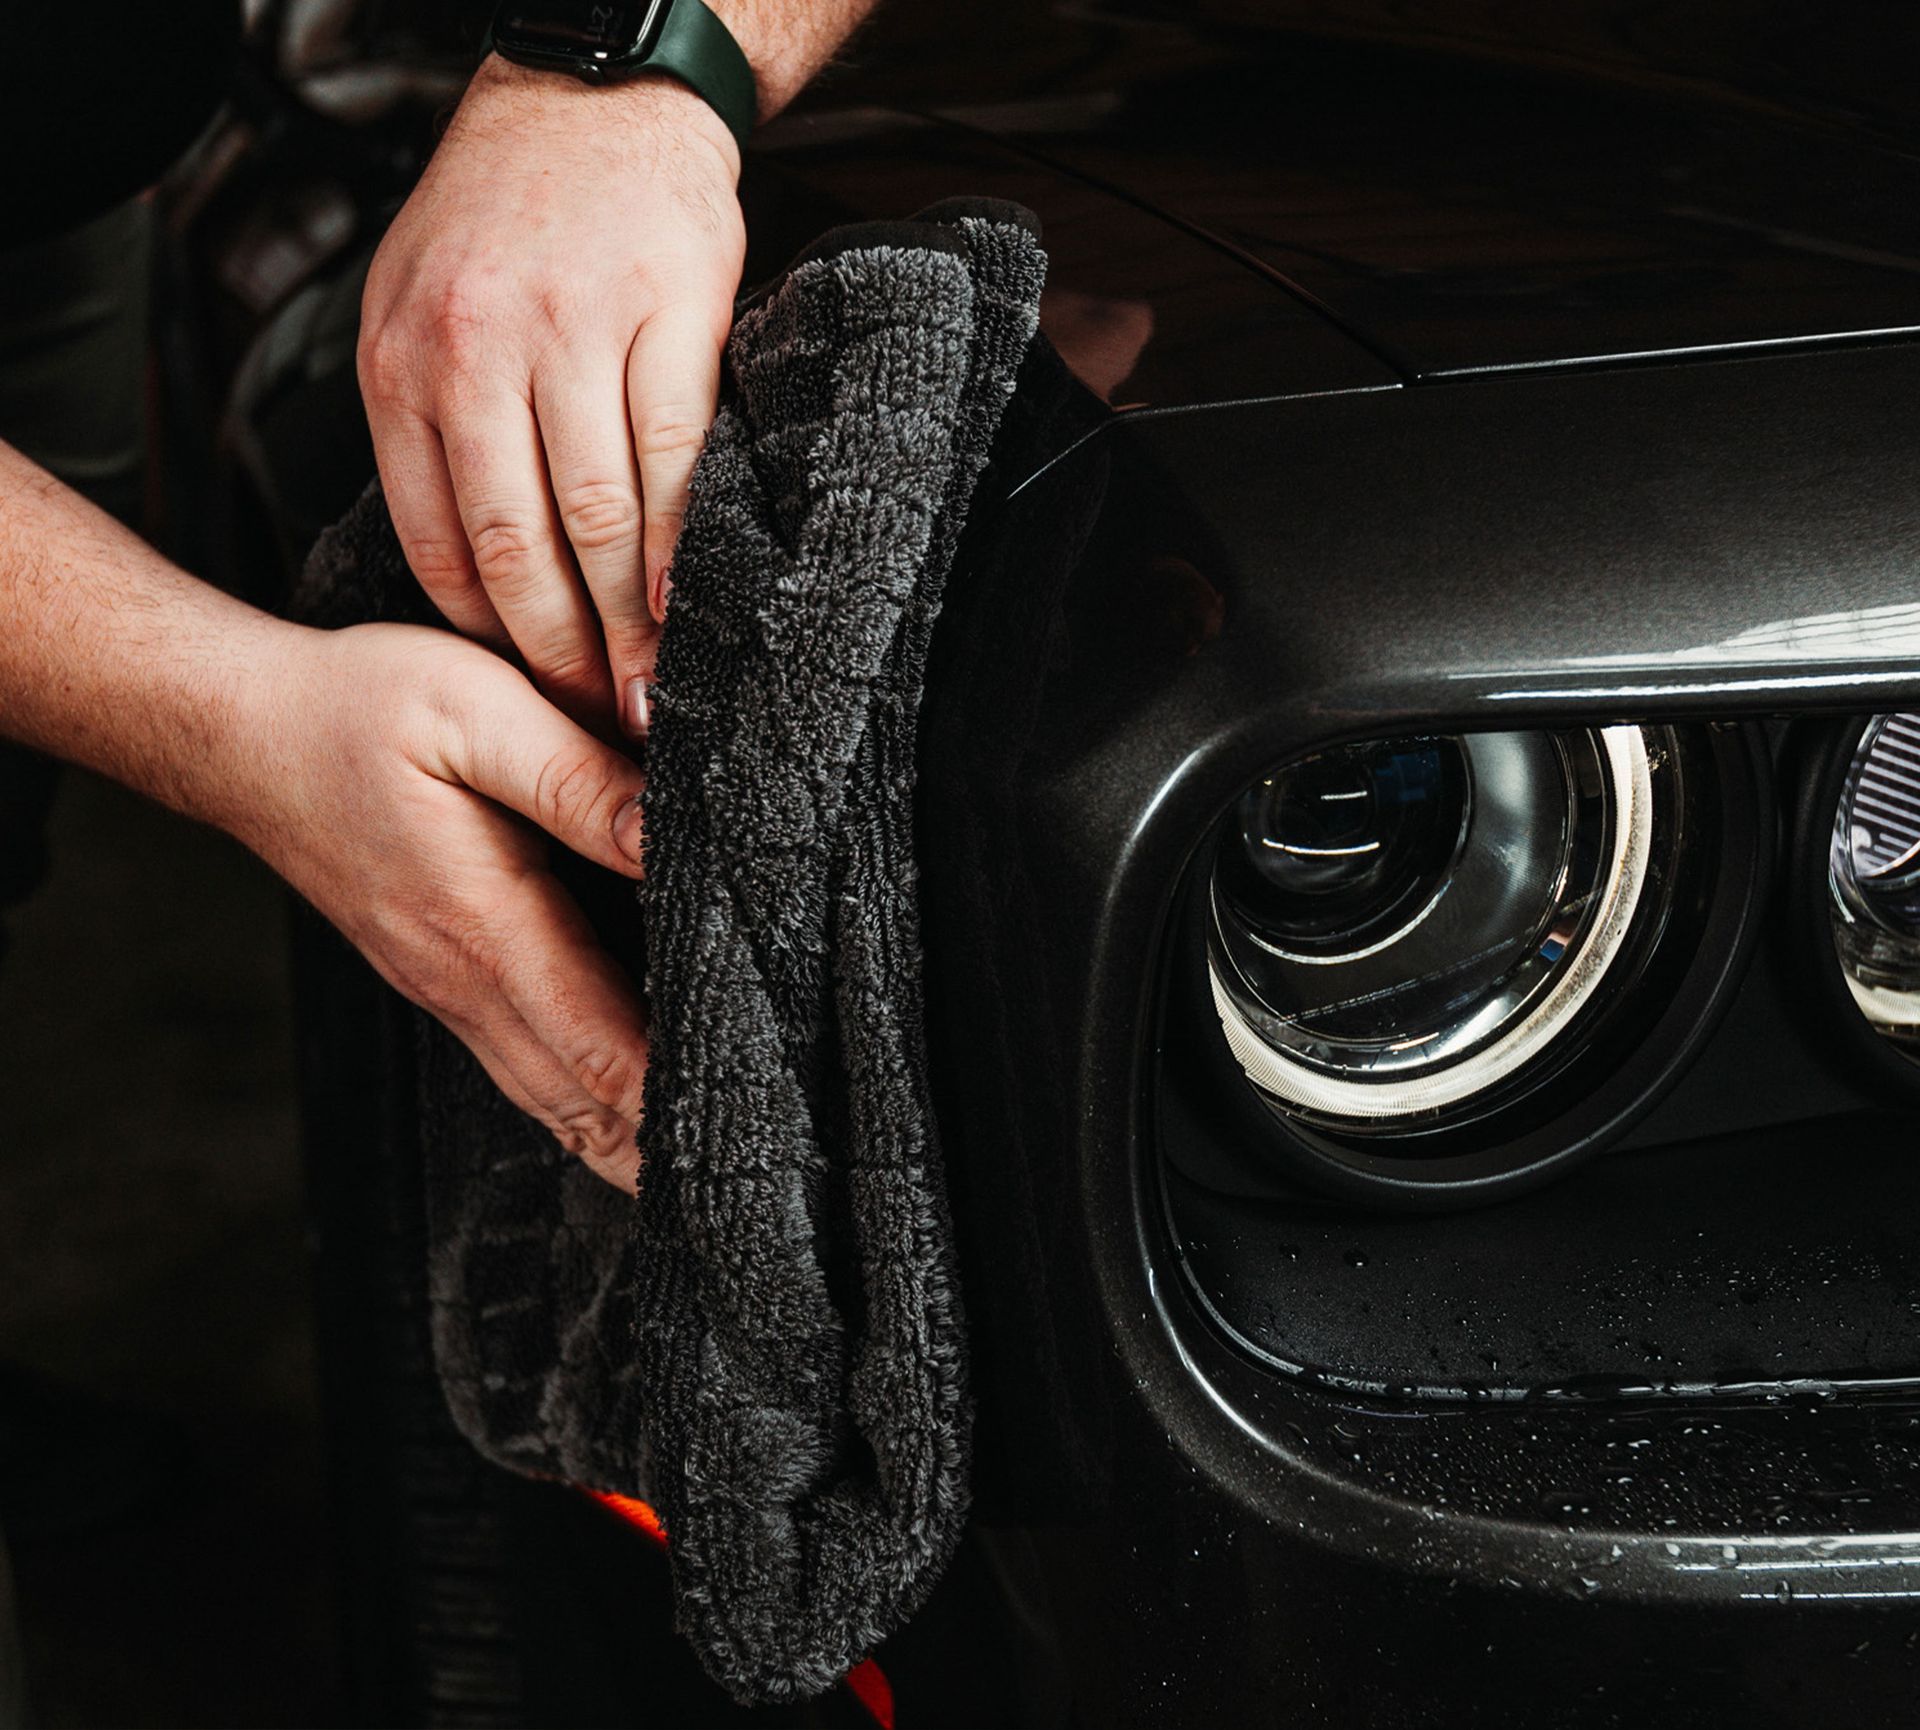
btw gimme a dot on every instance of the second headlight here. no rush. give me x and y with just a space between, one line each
1873 879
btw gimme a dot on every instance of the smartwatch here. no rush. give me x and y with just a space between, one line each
604 41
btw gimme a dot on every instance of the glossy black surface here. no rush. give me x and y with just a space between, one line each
1187 599
1311 529
1460 206
1146 314
1654 1271
1246 202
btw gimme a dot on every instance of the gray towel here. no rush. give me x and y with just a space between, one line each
769 1346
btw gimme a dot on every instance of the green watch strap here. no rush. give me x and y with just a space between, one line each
700 51
690 44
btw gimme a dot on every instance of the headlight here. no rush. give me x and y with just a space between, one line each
1401 927
1873 878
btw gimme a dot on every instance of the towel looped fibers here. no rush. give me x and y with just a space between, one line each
768 1346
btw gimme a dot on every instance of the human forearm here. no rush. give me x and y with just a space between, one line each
787 42
114 658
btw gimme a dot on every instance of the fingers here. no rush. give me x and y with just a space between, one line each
540 1084
539 379
497 466
505 743
426 518
596 488
673 384
574 999
392 809
557 1025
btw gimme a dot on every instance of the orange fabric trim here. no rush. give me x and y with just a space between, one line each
637 1514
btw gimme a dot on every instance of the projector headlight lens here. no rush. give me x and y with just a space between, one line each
1873 878
1399 927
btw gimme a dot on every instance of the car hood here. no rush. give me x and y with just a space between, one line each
1467 194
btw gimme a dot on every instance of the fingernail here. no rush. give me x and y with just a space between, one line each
662 592
627 830
634 716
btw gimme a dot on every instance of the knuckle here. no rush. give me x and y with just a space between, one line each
439 562
610 1075
719 316
643 278
599 515
672 432
454 320
381 363
573 667
445 693
569 789
554 309
590 1133
506 547
444 330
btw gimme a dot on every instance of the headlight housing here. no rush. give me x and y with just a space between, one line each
1401 926
1442 965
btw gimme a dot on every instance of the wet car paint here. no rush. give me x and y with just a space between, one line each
1226 1541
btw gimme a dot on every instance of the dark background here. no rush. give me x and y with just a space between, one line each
153 1244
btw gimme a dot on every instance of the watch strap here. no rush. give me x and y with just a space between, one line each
700 51
691 44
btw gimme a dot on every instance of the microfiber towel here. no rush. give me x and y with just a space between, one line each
769 1344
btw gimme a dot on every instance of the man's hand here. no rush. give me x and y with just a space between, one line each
540 356
379 783
377 769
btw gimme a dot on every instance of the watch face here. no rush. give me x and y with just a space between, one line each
588 29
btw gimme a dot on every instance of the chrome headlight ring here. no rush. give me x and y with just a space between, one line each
1538 1010
1535 1016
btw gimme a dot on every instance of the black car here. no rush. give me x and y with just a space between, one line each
1420 817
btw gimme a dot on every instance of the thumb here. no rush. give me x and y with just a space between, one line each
510 745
